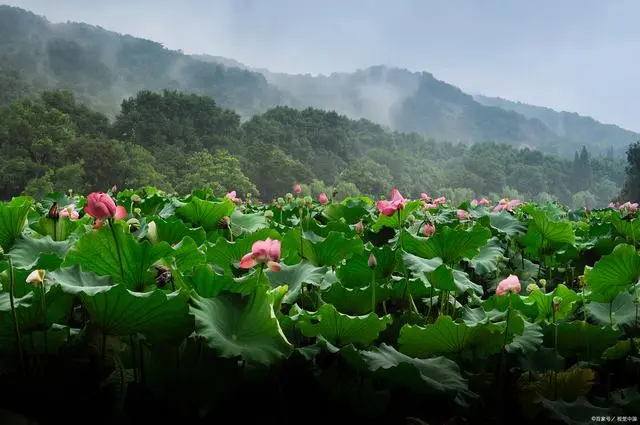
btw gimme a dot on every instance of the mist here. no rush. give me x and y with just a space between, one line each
574 55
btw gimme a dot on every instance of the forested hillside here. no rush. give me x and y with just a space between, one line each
601 137
178 141
101 68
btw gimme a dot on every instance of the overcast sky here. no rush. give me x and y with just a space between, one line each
575 55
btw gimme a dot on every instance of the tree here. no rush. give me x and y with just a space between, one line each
631 190
220 172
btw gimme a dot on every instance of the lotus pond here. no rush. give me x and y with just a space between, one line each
145 307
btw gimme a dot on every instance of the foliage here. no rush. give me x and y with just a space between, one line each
165 308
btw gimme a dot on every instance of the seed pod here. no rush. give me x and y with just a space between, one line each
135 199
532 287
224 222
134 225
163 276
268 214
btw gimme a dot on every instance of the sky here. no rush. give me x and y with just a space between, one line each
575 55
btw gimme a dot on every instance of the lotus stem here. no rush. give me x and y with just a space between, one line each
14 314
406 293
373 291
115 239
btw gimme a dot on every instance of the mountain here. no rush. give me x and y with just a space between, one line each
415 102
569 124
102 67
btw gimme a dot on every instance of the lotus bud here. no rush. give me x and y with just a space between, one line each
36 277
135 199
359 227
297 189
134 225
532 287
268 214
556 303
152 232
372 261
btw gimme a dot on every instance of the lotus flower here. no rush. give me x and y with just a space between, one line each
323 198
70 211
629 207
263 252
505 205
440 201
510 285
425 197
429 229
396 203
101 206
481 202
232 195
462 215
297 189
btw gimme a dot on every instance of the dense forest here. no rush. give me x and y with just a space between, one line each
179 141
101 68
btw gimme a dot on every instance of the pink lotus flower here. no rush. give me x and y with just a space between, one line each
505 205
430 206
232 195
629 207
510 285
323 198
70 211
440 201
396 203
101 206
613 205
429 230
425 197
462 215
297 189
267 251
481 202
